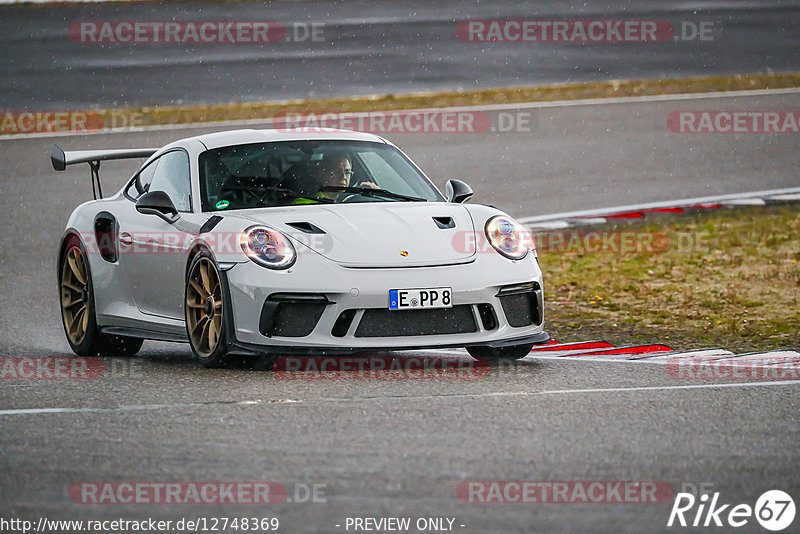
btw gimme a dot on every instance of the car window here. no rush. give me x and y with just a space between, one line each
261 175
141 182
172 176
384 170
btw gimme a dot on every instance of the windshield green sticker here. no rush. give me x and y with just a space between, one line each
222 204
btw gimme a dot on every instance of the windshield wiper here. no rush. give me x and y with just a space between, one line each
370 192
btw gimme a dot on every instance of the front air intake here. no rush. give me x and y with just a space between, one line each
379 322
291 314
522 304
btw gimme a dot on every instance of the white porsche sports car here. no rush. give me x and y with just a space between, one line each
266 242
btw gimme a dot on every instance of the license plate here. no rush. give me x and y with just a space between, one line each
420 299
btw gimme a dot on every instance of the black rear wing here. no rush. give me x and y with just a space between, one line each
61 160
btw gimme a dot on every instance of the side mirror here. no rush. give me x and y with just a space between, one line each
457 191
157 203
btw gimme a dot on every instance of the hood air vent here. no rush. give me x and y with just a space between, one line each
306 227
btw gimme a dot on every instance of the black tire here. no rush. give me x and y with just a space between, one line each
512 352
76 299
204 310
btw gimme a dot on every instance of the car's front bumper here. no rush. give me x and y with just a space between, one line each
325 290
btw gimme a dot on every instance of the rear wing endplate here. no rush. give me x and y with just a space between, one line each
61 160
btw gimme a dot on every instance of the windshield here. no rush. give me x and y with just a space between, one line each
309 172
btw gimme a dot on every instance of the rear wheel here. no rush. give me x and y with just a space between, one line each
78 312
205 312
513 352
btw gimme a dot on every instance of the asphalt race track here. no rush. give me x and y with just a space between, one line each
554 167
377 47
400 447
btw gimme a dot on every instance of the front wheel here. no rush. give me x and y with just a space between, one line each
205 312
513 352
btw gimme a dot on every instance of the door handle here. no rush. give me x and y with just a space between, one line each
125 239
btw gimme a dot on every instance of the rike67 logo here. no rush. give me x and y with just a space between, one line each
774 510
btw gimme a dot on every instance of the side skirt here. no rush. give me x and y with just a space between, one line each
174 337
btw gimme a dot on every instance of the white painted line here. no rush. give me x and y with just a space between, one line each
743 359
259 402
561 354
494 107
593 220
36 411
745 202
704 353
587 359
667 388
140 407
624 357
551 225
782 353
598 212
605 357
589 345
659 359
627 100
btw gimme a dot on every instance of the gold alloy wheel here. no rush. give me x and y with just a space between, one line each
75 295
204 307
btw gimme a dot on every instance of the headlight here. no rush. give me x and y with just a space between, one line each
268 247
508 237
